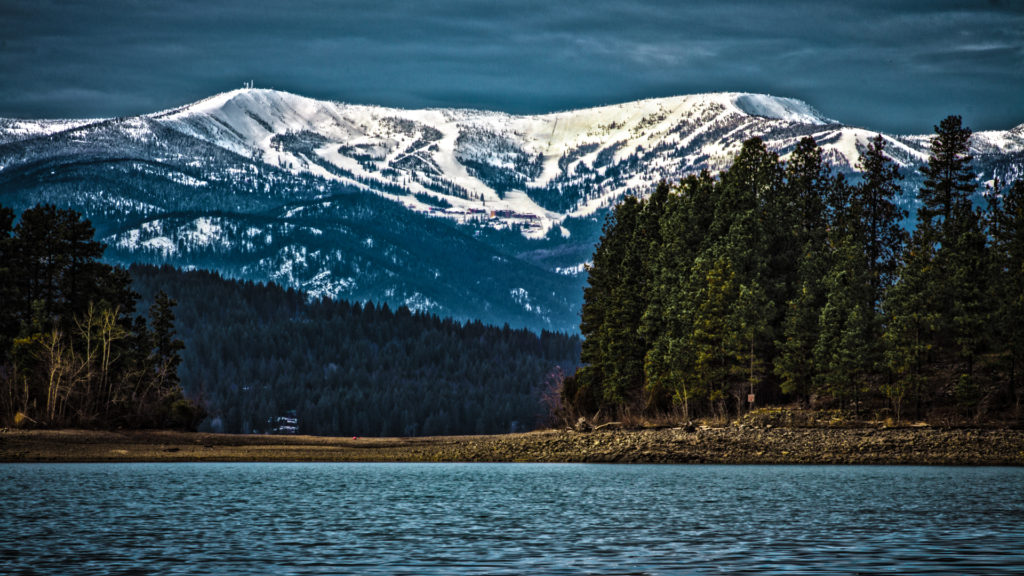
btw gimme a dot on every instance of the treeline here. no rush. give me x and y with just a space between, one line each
72 350
783 281
255 353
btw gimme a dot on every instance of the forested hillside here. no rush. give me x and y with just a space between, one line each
255 352
780 281
257 357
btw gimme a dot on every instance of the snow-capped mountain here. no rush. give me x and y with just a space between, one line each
472 213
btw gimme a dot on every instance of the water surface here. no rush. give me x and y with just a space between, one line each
307 518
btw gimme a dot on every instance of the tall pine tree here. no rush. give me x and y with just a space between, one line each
949 180
1007 286
881 217
608 312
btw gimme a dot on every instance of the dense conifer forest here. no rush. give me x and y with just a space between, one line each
255 358
783 281
72 350
257 355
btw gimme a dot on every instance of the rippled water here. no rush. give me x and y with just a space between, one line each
508 518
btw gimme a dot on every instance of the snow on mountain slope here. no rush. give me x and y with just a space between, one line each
528 172
521 171
468 213
786 109
999 141
12 130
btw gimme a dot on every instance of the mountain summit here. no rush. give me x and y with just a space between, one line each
469 213
527 165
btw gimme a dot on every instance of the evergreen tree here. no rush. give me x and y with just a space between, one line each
715 290
753 180
949 179
759 242
56 264
623 381
795 364
808 183
8 294
747 332
844 351
70 351
630 337
881 217
166 347
912 321
1007 286
668 319
643 294
802 257
608 305
938 310
966 261
869 224
948 217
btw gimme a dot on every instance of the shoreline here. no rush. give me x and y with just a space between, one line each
724 445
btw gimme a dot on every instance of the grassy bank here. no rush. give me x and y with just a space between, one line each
725 445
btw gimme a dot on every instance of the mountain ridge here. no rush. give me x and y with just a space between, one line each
471 213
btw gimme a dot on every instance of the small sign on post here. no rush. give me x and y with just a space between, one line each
750 398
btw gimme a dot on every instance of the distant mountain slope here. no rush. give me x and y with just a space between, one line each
468 213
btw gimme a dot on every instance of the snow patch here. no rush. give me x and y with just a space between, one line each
573 270
778 108
202 232
162 244
522 298
323 285
16 129
420 303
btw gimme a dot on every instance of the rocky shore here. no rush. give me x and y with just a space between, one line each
710 445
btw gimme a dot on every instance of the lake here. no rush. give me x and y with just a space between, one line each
307 518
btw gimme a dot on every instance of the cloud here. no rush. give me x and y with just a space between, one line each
889 65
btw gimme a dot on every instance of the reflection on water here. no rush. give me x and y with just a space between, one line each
508 518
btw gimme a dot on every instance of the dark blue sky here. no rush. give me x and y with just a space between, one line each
888 65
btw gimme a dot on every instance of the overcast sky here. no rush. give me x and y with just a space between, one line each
887 65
